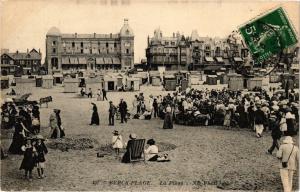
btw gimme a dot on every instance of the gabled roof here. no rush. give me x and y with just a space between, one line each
33 54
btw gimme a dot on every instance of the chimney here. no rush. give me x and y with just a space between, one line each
17 52
27 51
94 35
75 35
39 51
148 40
110 35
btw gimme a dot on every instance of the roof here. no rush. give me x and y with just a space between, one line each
31 55
53 31
126 29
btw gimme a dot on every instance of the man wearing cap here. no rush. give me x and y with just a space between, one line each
288 154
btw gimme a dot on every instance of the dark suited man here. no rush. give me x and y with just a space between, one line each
104 94
112 112
123 111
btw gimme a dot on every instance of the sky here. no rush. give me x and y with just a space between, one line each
24 24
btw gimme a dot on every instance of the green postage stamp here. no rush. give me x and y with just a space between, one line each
268 34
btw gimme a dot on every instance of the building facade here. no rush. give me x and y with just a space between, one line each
192 53
67 52
25 62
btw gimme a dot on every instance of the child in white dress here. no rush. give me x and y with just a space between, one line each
117 142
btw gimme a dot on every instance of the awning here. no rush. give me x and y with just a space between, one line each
209 59
116 61
219 59
65 60
108 61
99 61
82 60
238 59
212 68
73 60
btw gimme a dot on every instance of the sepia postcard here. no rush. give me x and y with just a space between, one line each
149 95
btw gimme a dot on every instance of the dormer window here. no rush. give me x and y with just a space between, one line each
127 32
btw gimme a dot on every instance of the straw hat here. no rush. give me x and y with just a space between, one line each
39 137
288 140
115 132
132 136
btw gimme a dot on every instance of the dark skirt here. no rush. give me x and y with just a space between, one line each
95 118
154 158
168 123
29 161
15 147
126 157
243 120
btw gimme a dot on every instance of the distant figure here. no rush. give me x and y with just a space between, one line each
126 157
151 152
104 94
90 93
288 154
82 92
55 131
95 117
28 162
112 112
18 137
117 142
99 95
155 108
41 150
123 110
168 122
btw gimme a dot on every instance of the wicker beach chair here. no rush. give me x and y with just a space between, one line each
136 150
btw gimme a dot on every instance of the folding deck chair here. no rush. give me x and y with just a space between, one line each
136 150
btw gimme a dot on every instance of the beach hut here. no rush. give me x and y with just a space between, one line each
170 83
58 78
38 81
235 81
184 84
71 85
254 82
211 79
110 83
47 82
4 82
133 84
274 77
94 84
156 81
24 85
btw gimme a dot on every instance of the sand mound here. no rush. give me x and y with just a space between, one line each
75 143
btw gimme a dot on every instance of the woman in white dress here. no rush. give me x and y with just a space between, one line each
151 153
117 142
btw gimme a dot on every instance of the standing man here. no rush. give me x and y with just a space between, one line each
112 112
123 111
288 154
104 94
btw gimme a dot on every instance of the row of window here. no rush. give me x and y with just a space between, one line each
21 62
54 43
90 51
